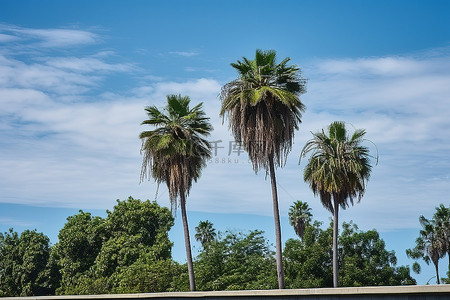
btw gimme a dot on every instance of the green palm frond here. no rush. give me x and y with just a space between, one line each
263 106
339 166
299 217
176 150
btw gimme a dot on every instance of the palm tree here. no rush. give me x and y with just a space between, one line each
205 233
337 171
264 110
441 219
175 153
299 217
429 246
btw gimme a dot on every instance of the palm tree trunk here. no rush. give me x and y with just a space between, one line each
448 254
187 243
436 266
276 216
335 243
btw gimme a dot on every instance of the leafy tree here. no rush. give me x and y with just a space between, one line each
23 261
79 243
337 171
264 110
364 260
130 250
299 217
309 260
429 246
205 233
175 153
237 262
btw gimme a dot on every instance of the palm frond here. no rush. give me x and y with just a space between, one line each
175 151
263 112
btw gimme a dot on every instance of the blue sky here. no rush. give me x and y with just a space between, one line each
75 78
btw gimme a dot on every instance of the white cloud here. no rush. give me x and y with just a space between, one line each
64 144
86 65
52 38
184 53
14 222
402 102
5 38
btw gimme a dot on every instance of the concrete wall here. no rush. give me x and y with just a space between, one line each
428 292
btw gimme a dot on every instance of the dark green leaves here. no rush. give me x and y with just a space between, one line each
23 262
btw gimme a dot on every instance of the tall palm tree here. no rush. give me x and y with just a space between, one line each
429 246
175 153
205 233
337 171
264 110
299 217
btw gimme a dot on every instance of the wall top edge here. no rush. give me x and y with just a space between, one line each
415 289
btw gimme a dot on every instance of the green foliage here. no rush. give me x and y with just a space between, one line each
308 261
237 262
205 233
80 241
363 259
129 251
23 263
366 262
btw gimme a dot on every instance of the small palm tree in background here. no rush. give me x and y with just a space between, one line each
431 246
442 220
337 171
175 152
205 233
299 217
264 110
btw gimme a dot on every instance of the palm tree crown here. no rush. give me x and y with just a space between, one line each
299 217
263 106
176 151
205 233
339 166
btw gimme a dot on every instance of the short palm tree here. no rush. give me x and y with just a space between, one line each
299 217
264 110
175 153
205 233
337 171
429 246
441 219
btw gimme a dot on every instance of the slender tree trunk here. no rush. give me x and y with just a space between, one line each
187 243
436 266
276 216
335 243
448 254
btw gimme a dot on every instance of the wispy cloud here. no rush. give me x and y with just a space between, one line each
184 53
4 38
14 222
86 64
50 38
